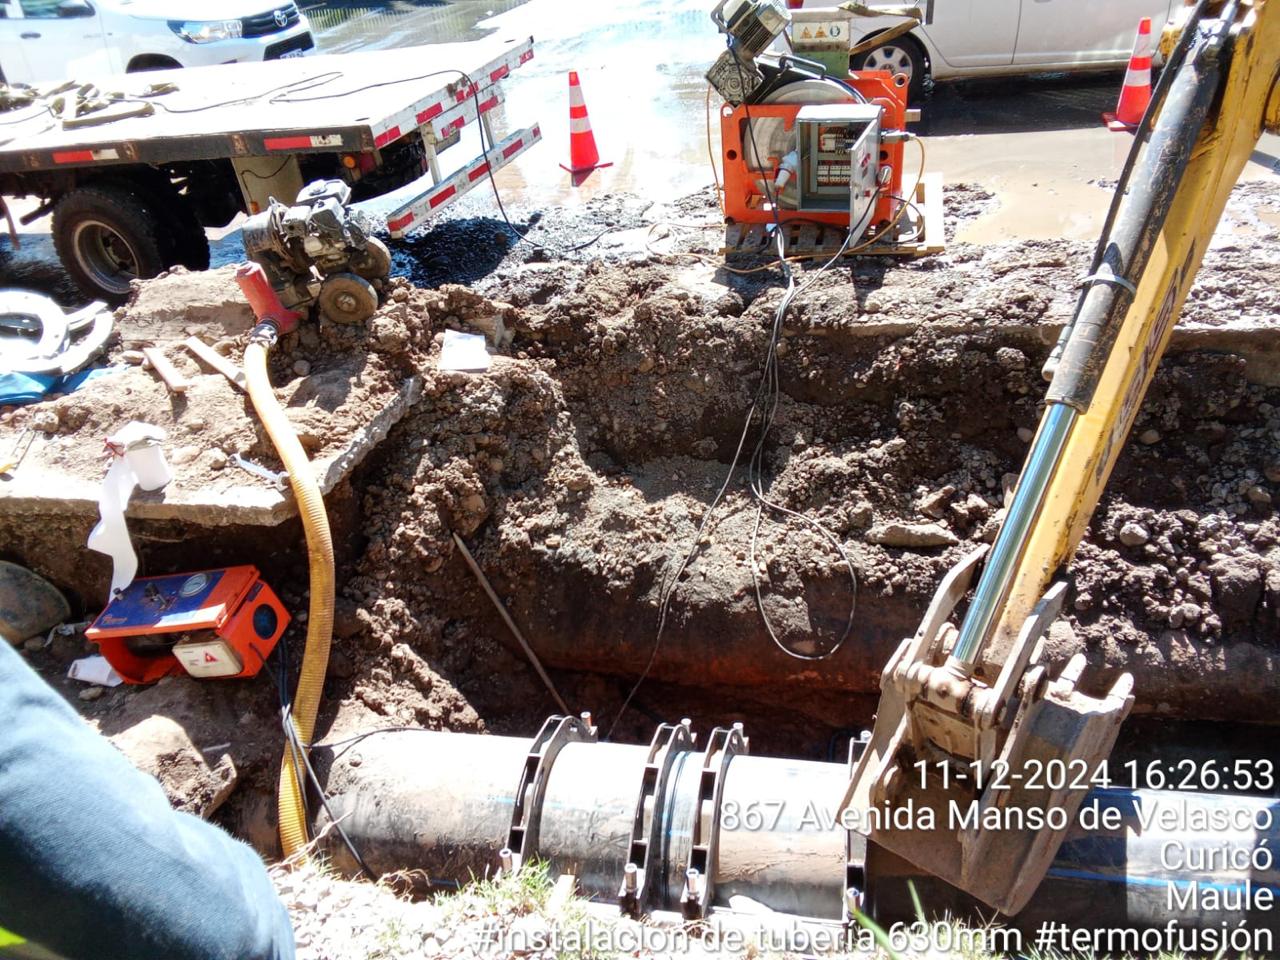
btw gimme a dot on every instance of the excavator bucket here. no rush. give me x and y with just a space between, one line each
978 785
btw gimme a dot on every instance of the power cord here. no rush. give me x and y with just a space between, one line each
766 398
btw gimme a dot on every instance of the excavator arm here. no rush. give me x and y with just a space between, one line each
985 756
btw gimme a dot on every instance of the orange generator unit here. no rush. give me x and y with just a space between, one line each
818 152
211 623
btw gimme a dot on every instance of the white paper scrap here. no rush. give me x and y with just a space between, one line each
463 352
94 669
140 462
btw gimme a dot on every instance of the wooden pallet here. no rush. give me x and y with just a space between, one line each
816 240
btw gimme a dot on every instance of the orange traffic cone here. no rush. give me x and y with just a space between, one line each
1136 93
583 155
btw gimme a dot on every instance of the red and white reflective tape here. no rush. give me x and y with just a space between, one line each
1139 72
401 220
430 113
578 120
439 101
85 156
303 141
455 118
387 136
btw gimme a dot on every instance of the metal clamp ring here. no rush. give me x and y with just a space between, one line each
526 814
722 746
668 741
1112 278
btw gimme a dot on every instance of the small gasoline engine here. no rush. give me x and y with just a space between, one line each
810 146
316 250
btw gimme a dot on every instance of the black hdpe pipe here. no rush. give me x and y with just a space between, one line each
444 803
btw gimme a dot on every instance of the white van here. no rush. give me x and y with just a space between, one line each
976 38
56 40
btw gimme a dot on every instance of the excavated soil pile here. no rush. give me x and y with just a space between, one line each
580 466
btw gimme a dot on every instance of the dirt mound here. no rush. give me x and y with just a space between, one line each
579 468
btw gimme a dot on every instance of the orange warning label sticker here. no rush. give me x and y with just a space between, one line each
209 657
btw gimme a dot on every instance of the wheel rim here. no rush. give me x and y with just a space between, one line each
893 58
347 298
105 255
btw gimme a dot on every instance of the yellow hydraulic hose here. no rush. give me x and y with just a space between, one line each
315 523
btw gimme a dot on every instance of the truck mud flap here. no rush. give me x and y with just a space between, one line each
414 213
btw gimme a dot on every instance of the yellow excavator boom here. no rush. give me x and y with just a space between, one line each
968 712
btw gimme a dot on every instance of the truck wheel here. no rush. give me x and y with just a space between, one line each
107 235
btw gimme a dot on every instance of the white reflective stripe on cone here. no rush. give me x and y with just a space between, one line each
580 125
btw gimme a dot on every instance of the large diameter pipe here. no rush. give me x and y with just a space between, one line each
442 804
782 848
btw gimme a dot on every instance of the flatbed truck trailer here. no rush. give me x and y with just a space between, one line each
132 187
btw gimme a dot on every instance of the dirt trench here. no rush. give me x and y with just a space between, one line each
580 467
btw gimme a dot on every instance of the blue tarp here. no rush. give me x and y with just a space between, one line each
19 388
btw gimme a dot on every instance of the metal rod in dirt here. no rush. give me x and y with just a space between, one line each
511 624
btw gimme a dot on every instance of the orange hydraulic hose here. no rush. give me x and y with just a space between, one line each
315 523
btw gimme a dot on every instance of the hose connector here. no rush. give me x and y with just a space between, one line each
265 301
265 333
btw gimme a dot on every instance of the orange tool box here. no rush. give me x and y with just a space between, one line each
211 623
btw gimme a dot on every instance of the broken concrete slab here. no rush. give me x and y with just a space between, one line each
43 484
181 303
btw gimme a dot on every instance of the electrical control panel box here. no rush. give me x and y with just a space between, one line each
211 623
838 146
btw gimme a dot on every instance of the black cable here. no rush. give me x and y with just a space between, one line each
301 758
766 390
308 83
348 741
44 108
770 377
258 176
291 731
475 96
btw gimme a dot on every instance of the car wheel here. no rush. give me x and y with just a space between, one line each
901 55
107 235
